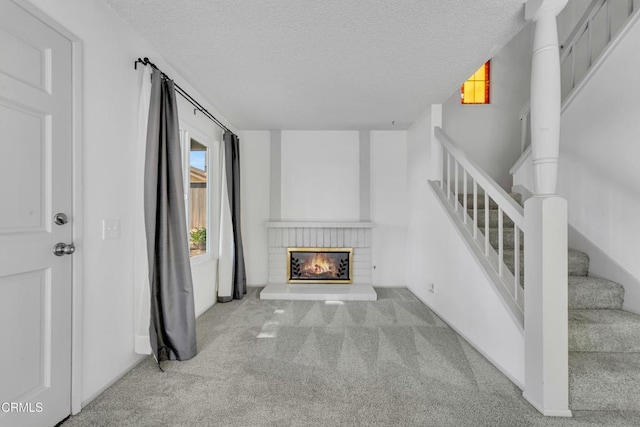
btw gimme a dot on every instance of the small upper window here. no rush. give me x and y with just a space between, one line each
476 89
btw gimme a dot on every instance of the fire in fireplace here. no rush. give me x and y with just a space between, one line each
319 265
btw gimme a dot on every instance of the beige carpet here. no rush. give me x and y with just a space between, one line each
306 363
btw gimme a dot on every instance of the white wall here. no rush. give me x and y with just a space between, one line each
255 153
320 176
110 104
437 254
389 207
490 134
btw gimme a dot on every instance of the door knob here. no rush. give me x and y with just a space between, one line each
63 249
60 218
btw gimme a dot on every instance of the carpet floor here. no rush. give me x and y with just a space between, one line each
391 362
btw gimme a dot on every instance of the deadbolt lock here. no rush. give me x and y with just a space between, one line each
60 218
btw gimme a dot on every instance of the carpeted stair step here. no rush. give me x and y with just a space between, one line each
492 204
493 218
578 266
604 381
592 292
509 260
508 242
578 263
598 330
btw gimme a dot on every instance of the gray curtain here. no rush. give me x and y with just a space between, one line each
232 160
172 331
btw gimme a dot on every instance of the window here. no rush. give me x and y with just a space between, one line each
476 89
198 196
201 183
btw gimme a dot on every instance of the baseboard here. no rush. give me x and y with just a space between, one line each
142 344
472 344
548 412
204 310
113 381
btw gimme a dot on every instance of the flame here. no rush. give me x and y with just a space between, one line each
319 264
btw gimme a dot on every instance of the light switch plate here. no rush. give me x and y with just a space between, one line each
110 229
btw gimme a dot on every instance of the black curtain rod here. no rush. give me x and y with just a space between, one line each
185 95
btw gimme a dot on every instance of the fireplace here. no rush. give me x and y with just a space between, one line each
319 265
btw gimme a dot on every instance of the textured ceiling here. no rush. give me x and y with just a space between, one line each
324 64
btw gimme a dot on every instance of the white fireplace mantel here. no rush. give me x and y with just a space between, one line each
319 224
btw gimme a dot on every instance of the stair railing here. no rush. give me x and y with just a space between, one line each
462 177
594 32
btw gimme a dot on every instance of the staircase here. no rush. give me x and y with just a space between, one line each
604 346
604 340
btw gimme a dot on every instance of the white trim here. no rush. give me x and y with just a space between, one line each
472 344
115 379
189 133
205 309
142 345
77 324
365 174
523 158
78 201
547 412
525 110
275 179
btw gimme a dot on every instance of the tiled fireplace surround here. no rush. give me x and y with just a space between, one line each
356 235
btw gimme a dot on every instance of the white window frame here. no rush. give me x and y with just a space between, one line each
188 133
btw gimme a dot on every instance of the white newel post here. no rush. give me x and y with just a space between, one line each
545 93
546 300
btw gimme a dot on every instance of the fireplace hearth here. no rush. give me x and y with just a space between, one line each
320 265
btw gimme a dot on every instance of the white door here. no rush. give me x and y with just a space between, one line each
35 186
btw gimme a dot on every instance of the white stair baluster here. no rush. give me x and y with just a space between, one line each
486 224
516 261
500 242
455 171
465 195
475 209
444 153
448 175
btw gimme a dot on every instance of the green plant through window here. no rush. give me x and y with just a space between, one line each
198 237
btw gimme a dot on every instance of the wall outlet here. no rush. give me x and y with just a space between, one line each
431 288
110 229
